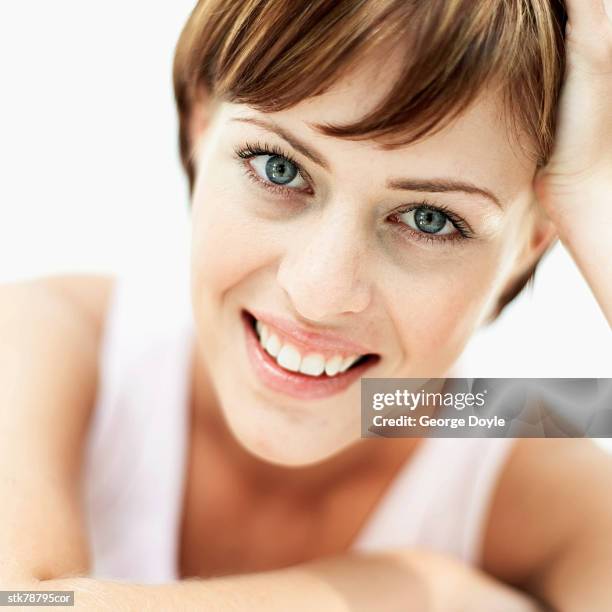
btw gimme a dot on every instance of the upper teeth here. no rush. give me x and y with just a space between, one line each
288 356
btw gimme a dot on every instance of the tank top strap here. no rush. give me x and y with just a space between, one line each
135 451
440 499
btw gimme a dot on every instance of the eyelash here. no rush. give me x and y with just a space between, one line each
250 150
464 232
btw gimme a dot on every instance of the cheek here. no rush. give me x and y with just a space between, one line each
440 307
225 246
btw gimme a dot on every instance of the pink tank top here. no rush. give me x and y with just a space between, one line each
135 464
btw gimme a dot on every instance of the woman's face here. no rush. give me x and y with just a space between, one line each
342 248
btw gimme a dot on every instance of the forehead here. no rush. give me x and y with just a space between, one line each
477 146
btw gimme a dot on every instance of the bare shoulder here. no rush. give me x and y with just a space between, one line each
51 329
89 294
550 491
86 295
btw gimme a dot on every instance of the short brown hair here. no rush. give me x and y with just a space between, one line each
272 54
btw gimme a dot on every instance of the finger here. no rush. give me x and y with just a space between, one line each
588 34
587 16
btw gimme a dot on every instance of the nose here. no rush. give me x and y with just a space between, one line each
322 270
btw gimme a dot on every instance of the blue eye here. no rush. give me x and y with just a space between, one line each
428 220
273 168
280 170
432 223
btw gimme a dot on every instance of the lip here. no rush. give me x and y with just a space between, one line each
310 341
294 384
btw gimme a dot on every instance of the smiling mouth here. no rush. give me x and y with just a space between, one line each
308 363
320 381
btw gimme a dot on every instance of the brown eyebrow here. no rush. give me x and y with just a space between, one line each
441 185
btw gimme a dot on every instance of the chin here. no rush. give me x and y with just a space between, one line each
286 439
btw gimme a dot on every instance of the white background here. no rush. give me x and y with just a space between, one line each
90 179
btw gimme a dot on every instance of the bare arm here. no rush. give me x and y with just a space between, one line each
47 383
577 577
550 532
575 187
393 582
592 250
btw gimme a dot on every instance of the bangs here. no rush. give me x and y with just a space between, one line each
273 54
